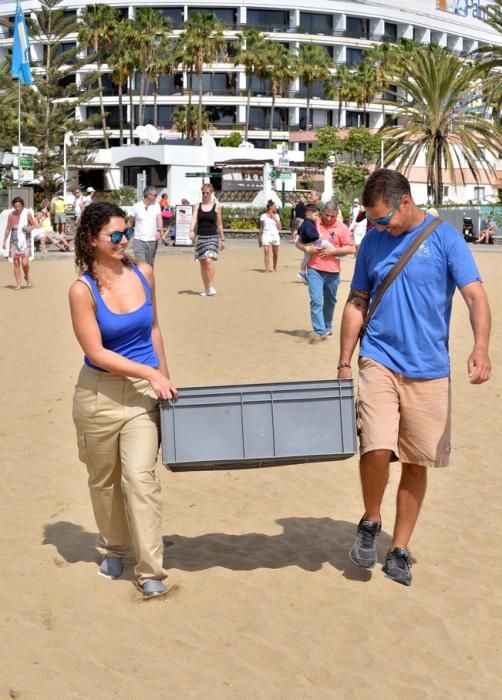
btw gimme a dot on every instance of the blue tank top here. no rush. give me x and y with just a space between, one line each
130 334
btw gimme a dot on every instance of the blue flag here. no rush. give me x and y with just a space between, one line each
21 50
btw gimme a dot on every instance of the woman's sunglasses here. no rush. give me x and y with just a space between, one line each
116 236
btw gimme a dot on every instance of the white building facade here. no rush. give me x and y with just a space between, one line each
344 28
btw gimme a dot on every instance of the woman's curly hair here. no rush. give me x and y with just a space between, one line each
94 217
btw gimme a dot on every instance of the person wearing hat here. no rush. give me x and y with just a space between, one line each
87 199
354 210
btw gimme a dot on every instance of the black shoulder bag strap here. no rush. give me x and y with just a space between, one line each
396 269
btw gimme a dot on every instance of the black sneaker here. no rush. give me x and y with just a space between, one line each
363 551
397 565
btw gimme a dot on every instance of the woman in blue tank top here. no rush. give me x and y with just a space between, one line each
115 406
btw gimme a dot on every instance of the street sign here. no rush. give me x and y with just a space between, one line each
32 150
284 175
24 162
210 174
23 175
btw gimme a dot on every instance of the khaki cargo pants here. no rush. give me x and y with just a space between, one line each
117 422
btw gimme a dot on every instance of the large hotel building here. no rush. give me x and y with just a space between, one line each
344 28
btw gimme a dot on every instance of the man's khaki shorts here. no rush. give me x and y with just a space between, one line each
411 417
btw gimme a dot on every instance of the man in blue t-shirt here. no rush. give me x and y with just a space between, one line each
403 403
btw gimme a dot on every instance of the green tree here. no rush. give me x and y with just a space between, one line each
348 180
366 85
342 86
184 117
188 60
328 146
8 113
251 55
149 41
381 57
234 139
162 62
438 119
279 66
49 107
96 30
361 145
490 59
314 64
204 41
123 63
358 146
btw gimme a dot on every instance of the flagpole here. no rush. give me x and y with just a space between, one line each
19 133
20 69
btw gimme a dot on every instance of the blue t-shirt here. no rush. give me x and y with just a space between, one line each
409 331
130 334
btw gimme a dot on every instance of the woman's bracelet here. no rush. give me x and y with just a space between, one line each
344 364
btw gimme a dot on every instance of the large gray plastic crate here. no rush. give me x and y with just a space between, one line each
255 425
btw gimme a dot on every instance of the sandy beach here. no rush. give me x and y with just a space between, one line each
264 602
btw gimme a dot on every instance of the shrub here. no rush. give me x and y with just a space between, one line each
249 217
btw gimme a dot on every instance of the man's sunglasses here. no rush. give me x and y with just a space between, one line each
384 220
116 236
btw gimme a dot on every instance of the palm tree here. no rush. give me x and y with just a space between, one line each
367 87
438 119
163 61
251 55
187 59
343 85
279 67
314 64
491 57
97 31
204 41
184 118
381 58
122 62
150 32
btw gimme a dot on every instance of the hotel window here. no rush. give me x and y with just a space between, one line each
354 57
317 89
268 20
226 15
479 194
164 115
316 23
112 119
390 32
61 49
175 14
221 116
356 119
357 27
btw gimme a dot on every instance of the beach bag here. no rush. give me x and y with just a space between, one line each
166 213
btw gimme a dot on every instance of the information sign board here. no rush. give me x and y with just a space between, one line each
183 220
